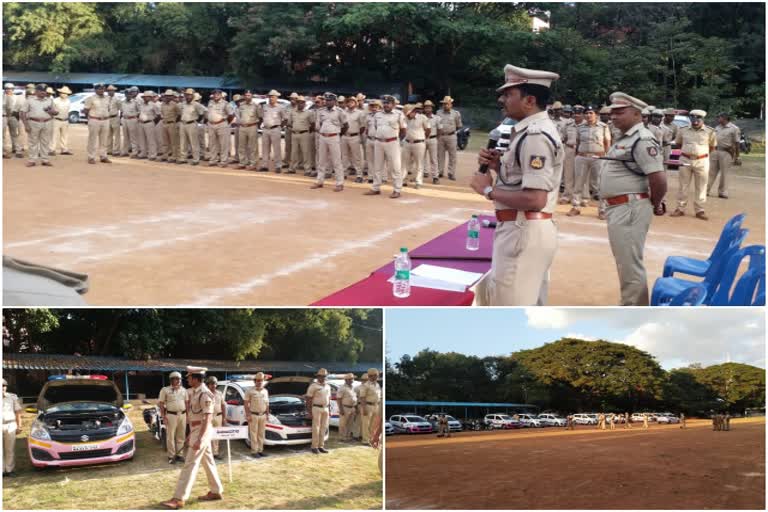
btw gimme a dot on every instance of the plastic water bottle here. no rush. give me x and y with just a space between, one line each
473 234
401 286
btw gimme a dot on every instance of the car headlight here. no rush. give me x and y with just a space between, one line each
125 427
39 431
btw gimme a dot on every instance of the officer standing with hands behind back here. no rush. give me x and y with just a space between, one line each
524 193
173 408
318 399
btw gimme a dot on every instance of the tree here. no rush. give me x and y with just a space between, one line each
22 328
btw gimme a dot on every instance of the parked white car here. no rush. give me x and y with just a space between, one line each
551 420
529 420
667 418
410 424
501 421
388 429
584 419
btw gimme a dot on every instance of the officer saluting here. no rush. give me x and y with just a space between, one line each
633 186
318 398
173 408
199 452
525 193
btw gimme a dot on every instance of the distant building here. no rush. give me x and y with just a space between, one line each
539 21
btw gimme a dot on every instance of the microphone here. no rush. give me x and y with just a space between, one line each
493 140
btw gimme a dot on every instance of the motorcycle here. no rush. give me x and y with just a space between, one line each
462 137
745 144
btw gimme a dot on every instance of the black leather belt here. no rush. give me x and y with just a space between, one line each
448 133
352 134
371 403
176 412
300 132
188 122
218 414
272 127
320 406
258 413
145 122
419 141
433 136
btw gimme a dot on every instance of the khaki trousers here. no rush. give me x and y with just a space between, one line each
113 141
288 147
60 135
369 411
7 145
585 168
698 172
447 143
387 153
131 137
175 433
170 133
149 149
301 150
190 142
628 226
193 460
569 172
352 154
234 143
215 442
201 132
218 137
270 143
160 140
523 251
430 157
39 143
15 127
248 145
330 159
257 427
319 426
364 149
98 134
370 156
413 158
9 447
346 420
720 163
357 422
315 150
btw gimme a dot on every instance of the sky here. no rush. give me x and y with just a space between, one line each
677 337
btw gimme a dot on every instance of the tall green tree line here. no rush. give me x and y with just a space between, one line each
575 375
239 334
705 55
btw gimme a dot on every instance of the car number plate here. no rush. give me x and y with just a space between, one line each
84 447
304 430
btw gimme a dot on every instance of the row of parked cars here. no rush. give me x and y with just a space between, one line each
415 424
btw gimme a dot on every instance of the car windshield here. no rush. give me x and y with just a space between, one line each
81 407
504 417
451 418
414 419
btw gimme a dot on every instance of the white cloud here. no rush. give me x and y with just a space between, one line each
548 318
580 336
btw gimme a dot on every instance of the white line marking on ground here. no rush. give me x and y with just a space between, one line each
214 295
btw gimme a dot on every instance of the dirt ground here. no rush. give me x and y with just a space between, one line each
152 233
663 467
347 478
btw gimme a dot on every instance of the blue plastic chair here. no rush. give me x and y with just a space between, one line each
667 288
744 291
692 296
696 267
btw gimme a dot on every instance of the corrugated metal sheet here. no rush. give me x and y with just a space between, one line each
407 403
22 361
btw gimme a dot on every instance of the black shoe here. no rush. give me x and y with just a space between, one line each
262 454
358 179
10 474
180 458
452 177
435 181
263 169
315 451
255 455
171 460
323 450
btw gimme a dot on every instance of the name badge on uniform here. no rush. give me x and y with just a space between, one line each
653 151
537 162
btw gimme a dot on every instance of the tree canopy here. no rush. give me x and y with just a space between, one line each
268 334
575 375
694 55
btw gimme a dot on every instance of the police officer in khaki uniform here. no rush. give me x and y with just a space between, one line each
389 128
601 421
633 187
11 427
351 152
726 153
430 152
218 411
7 102
417 131
524 195
149 115
593 138
370 396
15 105
173 409
199 444
656 127
192 113
257 413
672 128
301 123
37 116
696 143
370 138
274 118
220 114
450 123
249 117
129 111
113 138
318 105
346 398
363 109
288 132
568 132
357 425
330 124
170 113
60 139
318 400
96 109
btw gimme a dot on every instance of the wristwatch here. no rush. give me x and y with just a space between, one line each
487 192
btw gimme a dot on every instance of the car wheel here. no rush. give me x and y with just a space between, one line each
74 117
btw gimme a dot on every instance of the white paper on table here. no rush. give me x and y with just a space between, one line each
450 275
435 284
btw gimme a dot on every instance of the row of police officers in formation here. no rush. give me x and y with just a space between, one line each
334 136
625 155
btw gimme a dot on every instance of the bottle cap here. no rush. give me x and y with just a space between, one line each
403 249
474 216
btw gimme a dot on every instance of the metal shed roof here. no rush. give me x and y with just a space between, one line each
24 361
122 79
408 403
